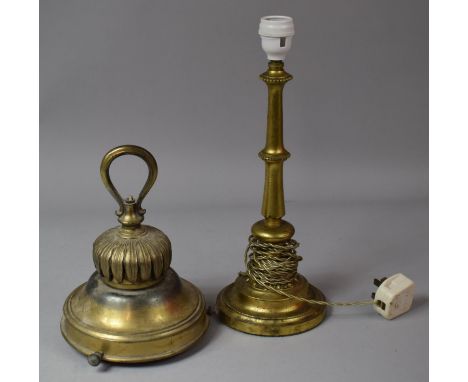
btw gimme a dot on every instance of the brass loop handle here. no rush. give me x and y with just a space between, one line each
129 150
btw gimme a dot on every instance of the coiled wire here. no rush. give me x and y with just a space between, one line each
274 267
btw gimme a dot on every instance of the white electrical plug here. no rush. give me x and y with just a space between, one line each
394 296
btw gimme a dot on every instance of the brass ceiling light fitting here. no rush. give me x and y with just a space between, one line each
134 308
261 301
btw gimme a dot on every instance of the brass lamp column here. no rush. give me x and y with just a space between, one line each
273 228
269 308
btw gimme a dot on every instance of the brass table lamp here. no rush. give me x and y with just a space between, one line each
134 308
266 299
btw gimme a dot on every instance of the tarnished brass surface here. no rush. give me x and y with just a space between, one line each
273 228
132 261
250 309
244 305
134 308
134 325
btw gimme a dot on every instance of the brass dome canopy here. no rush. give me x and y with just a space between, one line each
134 308
135 259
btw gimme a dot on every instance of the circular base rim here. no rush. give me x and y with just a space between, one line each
88 340
237 318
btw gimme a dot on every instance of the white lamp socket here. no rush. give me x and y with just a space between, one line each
276 33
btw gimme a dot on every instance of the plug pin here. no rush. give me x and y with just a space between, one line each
377 282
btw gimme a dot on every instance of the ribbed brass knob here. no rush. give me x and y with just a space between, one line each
135 261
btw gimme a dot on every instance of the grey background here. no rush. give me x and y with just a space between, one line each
181 79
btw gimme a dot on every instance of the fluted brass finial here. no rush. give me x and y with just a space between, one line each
132 256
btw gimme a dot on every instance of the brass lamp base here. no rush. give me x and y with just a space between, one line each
259 311
132 326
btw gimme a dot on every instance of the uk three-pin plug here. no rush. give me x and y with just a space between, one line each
394 295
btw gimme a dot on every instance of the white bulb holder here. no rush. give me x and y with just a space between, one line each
276 33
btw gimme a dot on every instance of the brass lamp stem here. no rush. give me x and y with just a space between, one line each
273 228
271 298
